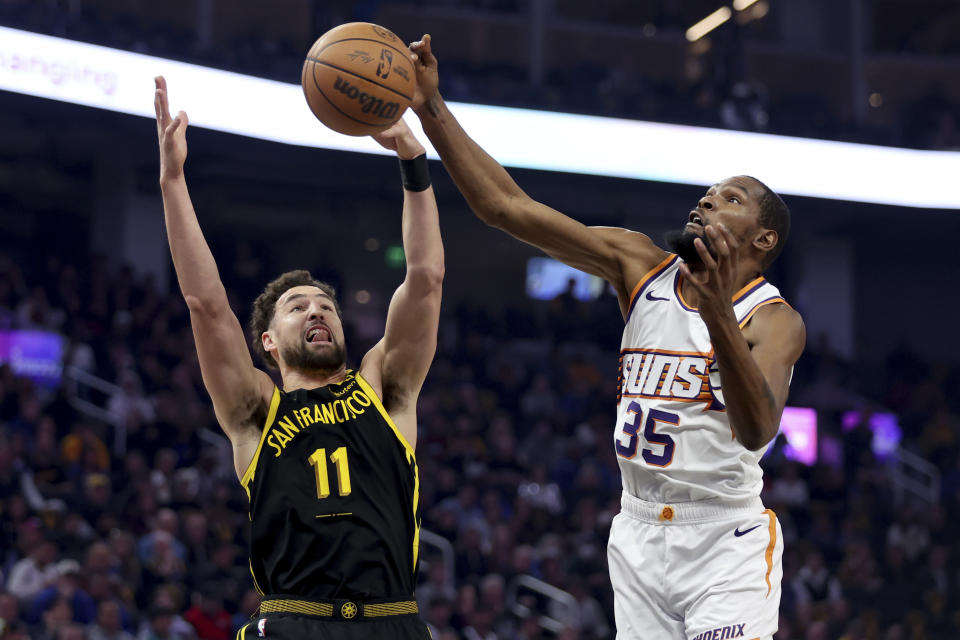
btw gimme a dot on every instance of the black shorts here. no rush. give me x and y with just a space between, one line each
297 626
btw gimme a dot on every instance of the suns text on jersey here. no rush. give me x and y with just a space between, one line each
334 412
682 376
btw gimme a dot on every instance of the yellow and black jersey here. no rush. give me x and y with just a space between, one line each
333 491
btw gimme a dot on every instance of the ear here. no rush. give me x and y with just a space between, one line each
766 240
268 344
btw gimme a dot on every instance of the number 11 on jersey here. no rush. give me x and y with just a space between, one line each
628 449
318 460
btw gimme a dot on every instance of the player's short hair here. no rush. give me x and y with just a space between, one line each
774 214
265 306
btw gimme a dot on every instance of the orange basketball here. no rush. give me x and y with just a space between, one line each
358 78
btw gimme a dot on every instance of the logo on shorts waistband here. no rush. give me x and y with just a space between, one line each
739 533
723 633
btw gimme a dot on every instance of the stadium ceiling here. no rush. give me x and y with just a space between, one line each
122 81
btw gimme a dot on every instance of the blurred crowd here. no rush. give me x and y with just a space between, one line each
105 537
714 90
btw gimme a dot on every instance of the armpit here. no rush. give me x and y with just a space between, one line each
395 398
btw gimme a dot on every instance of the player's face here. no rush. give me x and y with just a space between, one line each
307 330
734 202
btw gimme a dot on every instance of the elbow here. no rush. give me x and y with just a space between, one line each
757 438
491 215
426 278
197 305
496 211
207 304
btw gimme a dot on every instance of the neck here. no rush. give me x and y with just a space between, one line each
298 379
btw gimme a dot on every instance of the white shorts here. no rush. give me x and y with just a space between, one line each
695 571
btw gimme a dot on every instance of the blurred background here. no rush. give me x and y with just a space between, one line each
120 515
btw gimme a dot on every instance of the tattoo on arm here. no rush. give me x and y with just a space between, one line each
433 108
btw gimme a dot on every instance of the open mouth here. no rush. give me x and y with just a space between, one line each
317 334
696 224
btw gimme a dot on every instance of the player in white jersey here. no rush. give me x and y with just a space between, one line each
706 359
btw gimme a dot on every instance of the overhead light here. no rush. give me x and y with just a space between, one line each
740 5
752 10
708 24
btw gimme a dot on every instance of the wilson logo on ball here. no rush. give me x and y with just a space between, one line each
369 104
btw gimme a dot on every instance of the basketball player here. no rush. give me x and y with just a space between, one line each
327 460
705 364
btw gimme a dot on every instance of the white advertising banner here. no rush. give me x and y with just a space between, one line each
122 81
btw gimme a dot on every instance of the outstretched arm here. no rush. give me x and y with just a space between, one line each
619 256
239 391
410 340
755 363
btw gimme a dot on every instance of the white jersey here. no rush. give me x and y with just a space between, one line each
673 439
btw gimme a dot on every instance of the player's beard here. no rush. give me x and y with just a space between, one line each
681 243
301 358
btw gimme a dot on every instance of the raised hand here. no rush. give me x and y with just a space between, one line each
716 279
400 138
171 133
425 65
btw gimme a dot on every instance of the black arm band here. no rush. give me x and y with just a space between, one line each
415 174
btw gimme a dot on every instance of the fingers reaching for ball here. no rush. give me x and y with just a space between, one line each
422 51
160 104
170 131
425 64
398 137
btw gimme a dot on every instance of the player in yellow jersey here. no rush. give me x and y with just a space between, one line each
327 460
706 358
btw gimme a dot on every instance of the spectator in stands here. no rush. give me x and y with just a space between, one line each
246 610
130 403
57 615
67 588
814 583
160 626
108 623
163 622
789 489
207 615
435 588
909 534
83 451
34 573
165 527
96 501
9 611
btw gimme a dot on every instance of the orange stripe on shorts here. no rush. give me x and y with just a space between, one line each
768 556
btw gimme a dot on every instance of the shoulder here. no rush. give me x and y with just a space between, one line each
779 324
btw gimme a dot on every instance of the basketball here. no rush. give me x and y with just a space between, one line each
358 78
